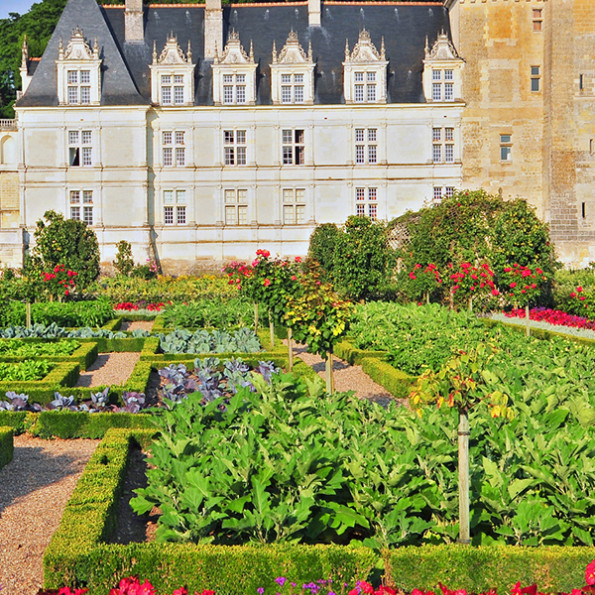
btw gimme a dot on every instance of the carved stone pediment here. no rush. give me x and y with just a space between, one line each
292 52
78 48
442 49
234 52
172 53
364 50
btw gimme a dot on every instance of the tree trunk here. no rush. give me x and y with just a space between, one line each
330 378
527 321
28 315
255 317
272 331
290 348
470 303
464 534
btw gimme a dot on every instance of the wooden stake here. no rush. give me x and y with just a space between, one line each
527 327
255 317
464 533
330 378
28 315
272 330
290 348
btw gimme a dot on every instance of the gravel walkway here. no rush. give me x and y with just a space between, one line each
347 377
109 369
145 325
34 489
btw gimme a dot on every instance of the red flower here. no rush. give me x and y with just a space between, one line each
573 295
579 289
266 282
590 573
412 275
293 277
495 292
298 259
513 285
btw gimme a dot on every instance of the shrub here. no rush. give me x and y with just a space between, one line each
124 263
363 258
323 243
68 242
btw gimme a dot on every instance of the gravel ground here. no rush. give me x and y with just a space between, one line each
347 377
109 369
146 325
34 489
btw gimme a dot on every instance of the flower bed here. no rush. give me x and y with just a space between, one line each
553 318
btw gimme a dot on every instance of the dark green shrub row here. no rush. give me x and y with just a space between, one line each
71 424
6 445
345 350
113 324
84 355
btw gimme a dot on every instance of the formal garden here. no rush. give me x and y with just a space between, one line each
260 477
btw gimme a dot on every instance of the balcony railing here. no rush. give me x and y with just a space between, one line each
8 124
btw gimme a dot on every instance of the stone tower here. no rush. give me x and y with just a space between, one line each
529 127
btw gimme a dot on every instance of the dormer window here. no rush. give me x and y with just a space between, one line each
172 75
78 70
364 71
234 74
442 71
292 73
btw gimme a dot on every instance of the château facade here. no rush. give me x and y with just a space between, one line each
200 133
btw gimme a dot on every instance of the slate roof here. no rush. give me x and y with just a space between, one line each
126 78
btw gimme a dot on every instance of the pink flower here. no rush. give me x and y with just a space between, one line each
513 285
590 573
293 277
298 259
266 282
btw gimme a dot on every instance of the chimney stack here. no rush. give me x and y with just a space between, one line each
213 28
314 10
133 17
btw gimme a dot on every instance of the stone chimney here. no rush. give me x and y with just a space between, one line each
213 28
134 25
314 13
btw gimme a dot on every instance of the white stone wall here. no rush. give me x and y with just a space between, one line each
128 176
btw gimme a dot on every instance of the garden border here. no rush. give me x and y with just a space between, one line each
6 445
85 354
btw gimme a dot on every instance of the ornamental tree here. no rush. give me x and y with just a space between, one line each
68 242
522 286
462 383
59 282
318 317
468 283
423 281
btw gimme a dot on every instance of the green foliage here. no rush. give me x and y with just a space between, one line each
6 445
24 371
474 227
363 259
124 263
209 313
323 243
19 348
68 242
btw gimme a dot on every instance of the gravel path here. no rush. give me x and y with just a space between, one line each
109 369
145 325
34 489
347 377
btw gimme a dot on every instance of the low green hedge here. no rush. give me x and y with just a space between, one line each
84 355
71 424
346 351
123 344
6 445
477 569
396 382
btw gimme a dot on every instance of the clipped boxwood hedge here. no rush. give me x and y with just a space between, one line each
396 382
346 351
6 445
84 355
477 569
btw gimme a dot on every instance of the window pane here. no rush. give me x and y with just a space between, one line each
179 137
73 77
227 94
359 135
286 135
228 78
167 156
371 193
436 153
436 75
288 214
358 76
298 78
534 84
371 92
299 137
87 137
242 215
437 91
166 79
360 209
85 76
166 95
168 197
359 93
229 156
505 138
240 78
73 95
286 94
168 215
181 215
372 154
241 94
371 76
359 154
288 195
178 95
436 133
88 197
449 191
87 160
360 194
437 193
300 194
535 70
372 135
86 95
180 156
73 137
448 75
241 151
372 211
242 195
88 215
449 153
167 138
448 92
75 213
448 133
178 79
505 153
75 196
300 213
228 137
298 92
230 196
287 155
231 217
286 78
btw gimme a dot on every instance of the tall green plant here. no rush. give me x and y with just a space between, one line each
124 263
68 242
